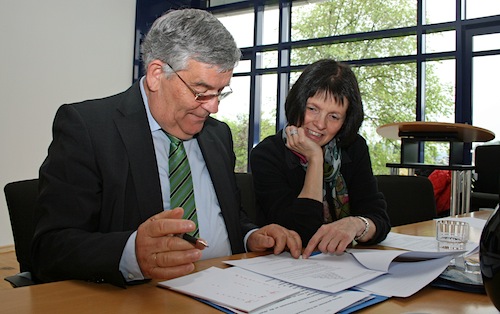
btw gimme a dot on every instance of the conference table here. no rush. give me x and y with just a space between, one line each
83 297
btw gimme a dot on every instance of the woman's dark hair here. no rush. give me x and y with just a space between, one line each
333 79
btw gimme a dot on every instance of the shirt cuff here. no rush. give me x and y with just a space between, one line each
128 263
246 237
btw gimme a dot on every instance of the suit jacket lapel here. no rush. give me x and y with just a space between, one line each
219 167
132 123
215 143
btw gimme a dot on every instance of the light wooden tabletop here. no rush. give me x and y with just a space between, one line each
464 132
82 297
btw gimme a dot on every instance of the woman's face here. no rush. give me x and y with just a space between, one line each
323 117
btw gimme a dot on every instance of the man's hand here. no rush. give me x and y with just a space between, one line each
162 254
277 237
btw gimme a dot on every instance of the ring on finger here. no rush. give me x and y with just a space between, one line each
293 132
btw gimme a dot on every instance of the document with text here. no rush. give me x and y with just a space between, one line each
243 291
329 273
306 301
357 267
323 283
236 290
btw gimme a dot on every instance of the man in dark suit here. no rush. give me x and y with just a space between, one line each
104 205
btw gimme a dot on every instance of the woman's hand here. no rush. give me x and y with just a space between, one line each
300 143
336 236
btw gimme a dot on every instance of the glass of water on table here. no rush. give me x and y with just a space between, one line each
453 235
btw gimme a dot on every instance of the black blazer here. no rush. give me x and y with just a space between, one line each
100 181
278 179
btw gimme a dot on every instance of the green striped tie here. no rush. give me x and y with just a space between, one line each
181 184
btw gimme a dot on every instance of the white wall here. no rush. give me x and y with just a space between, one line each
54 52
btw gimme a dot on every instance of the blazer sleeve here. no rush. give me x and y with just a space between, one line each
69 240
364 198
278 180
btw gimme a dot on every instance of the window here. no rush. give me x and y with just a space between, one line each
405 54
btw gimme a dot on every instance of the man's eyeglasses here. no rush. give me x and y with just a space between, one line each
201 97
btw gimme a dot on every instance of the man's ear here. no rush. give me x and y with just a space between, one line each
154 75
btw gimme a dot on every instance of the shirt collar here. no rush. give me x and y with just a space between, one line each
153 125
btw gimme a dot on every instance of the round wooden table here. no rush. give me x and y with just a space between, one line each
456 134
463 132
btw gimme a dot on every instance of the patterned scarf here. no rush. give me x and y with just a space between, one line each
335 195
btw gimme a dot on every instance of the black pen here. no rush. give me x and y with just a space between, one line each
194 240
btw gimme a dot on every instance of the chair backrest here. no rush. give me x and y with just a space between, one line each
21 197
245 184
409 198
487 168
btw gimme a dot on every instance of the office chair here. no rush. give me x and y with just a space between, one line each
409 198
21 197
245 184
487 171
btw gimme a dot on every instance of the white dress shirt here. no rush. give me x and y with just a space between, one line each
210 220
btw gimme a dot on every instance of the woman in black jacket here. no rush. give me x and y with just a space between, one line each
315 175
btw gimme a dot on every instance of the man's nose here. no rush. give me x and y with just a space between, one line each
212 105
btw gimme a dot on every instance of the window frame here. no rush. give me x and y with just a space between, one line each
462 55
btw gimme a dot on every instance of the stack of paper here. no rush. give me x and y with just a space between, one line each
323 283
248 292
384 272
242 291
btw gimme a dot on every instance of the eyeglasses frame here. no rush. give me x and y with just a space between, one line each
220 95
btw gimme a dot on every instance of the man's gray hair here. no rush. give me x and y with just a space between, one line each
181 35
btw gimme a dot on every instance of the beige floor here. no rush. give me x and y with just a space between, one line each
8 265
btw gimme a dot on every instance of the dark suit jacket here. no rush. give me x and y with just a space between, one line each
100 181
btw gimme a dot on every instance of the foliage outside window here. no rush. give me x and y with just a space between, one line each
374 37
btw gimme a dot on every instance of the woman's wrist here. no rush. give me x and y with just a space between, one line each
364 231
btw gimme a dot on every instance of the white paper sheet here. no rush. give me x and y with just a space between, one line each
410 270
329 273
419 243
308 301
406 278
382 260
243 291
279 283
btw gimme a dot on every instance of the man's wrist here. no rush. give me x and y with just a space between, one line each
249 233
